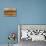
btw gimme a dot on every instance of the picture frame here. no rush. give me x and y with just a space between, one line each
10 11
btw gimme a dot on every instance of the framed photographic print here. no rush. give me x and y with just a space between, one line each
10 11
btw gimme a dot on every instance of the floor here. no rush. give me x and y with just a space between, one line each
30 43
7 45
